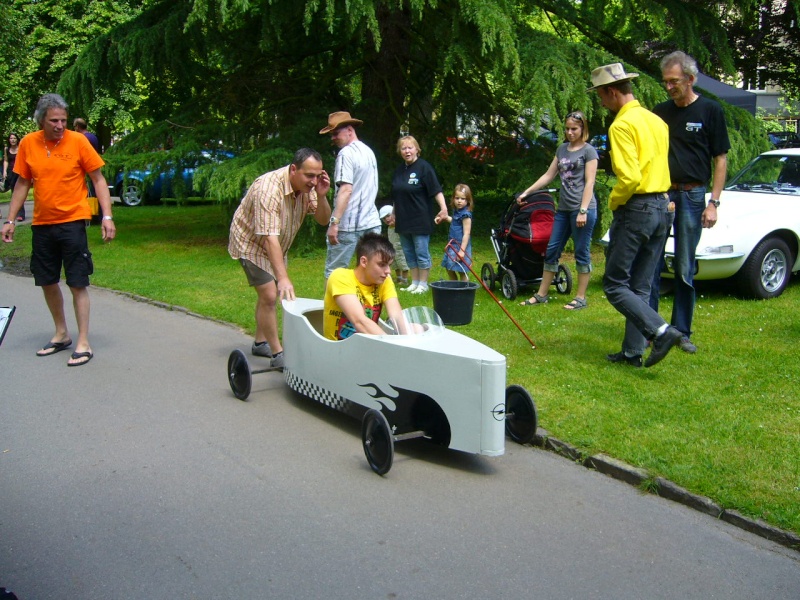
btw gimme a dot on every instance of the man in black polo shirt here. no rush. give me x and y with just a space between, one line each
698 137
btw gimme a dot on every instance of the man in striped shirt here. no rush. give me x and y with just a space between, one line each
262 231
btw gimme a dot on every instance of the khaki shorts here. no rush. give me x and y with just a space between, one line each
256 276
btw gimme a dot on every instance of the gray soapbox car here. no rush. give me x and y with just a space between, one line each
433 383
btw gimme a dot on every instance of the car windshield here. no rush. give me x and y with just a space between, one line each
417 320
769 173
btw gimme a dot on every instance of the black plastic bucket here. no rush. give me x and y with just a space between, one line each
453 301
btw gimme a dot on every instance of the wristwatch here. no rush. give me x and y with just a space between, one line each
334 220
583 211
714 202
108 218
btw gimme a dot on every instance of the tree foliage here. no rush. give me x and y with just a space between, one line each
262 75
43 38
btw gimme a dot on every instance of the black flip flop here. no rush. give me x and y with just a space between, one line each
77 355
55 346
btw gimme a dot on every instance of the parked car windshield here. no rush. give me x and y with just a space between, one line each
769 173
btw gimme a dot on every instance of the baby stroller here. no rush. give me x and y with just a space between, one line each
520 243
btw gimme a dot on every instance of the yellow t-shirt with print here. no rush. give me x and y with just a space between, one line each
335 325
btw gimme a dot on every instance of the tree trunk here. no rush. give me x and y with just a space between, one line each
385 82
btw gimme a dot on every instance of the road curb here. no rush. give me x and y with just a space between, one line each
664 488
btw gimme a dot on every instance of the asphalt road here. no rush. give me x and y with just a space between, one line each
140 476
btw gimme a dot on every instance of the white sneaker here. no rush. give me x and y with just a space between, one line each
412 288
420 289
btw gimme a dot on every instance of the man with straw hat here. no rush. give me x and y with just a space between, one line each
640 145
356 179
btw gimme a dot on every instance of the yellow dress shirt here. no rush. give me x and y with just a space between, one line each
639 153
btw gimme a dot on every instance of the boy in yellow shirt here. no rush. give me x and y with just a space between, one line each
355 298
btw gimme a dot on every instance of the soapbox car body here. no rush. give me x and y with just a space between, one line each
434 383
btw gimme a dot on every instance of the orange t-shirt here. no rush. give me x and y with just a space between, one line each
59 181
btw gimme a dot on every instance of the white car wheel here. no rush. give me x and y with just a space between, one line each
767 270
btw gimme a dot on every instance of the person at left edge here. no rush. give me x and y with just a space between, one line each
56 161
262 231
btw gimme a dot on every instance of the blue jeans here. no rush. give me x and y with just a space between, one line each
638 232
564 227
689 207
340 254
416 249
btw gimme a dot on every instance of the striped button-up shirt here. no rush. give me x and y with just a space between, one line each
270 207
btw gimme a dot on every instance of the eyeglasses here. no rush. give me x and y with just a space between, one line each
673 82
578 116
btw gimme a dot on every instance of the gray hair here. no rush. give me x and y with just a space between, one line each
45 103
687 63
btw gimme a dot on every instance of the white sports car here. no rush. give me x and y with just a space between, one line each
757 236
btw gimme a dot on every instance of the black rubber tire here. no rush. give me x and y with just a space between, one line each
509 285
378 441
521 416
239 375
767 271
563 280
487 276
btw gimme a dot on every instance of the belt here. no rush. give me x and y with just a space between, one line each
650 195
685 187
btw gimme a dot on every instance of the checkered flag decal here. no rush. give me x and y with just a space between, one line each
319 394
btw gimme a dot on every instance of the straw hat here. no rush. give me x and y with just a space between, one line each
338 119
608 74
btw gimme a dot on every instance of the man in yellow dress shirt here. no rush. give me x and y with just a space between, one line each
639 143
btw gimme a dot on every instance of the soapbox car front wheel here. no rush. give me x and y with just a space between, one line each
378 442
239 375
563 280
487 276
521 417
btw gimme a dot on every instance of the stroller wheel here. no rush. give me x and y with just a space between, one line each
563 280
509 284
488 276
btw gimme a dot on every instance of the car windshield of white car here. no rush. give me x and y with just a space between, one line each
771 174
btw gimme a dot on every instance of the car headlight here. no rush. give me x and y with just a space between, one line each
726 249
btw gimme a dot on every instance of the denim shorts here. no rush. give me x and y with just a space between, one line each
64 244
417 251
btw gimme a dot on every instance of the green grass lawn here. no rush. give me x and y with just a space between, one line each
724 423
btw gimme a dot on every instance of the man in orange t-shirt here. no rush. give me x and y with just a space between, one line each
56 162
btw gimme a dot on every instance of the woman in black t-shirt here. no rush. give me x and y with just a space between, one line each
414 190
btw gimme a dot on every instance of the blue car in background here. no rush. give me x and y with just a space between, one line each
137 187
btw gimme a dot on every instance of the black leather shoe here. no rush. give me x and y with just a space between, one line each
634 361
662 345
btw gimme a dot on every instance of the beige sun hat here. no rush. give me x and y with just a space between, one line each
608 74
338 119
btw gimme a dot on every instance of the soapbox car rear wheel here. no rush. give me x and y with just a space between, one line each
239 375
376 436
509 285
521 417
563 280
487 276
